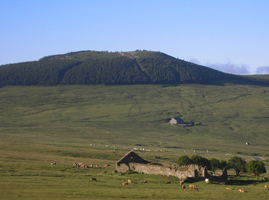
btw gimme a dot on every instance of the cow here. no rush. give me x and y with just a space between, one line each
242 191
106 165
144 181
167 182
264 179
265 186
207 180
228 188
183 187
91 166
82 166
96 166
93 179
181 182
77 164
53 163
193 187
129 181
125 183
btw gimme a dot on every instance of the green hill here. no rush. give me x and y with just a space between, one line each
130 116
118 68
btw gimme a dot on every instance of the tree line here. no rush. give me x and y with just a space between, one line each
110 69
236 163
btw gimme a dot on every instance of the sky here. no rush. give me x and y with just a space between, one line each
228 35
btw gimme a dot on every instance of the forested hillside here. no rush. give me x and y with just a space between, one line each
118 68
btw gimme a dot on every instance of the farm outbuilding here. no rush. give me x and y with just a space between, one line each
176 120
131 157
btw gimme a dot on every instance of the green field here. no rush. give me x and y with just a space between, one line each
100 124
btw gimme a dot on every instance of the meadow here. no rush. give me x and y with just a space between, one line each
100 124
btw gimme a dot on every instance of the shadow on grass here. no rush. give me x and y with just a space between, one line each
242 180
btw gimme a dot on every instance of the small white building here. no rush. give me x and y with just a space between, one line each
177 120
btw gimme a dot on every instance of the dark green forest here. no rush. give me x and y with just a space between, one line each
104 68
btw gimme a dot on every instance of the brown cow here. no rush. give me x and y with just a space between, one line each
53 163
242 191
228 188
265 186
193 187
144 181
183 187
75 164
93 179
129 181
82 165
264 179
125 183
167 182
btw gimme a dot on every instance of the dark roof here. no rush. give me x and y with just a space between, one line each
131 156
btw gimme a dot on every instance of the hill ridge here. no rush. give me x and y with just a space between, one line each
114 68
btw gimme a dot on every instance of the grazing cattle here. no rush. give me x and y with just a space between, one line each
93 179
91 166
183 187
193 187
78 164
96 166
264 179
75 164
265 186
242 191
82 166
222 183
125 183
228 188
167 182
207 180
144 181
106 165
129 181
53 163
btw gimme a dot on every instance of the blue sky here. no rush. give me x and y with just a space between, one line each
228 35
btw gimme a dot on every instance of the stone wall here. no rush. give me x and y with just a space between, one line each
157 170
183 172
221 178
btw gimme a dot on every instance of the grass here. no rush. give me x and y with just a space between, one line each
26 173
100 124
137 115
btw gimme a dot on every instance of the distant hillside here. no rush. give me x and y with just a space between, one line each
118 68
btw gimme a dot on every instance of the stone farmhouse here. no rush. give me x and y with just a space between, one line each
176 120
133 162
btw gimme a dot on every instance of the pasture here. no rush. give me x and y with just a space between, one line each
26 173
100 124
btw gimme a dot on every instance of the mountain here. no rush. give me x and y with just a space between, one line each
117 68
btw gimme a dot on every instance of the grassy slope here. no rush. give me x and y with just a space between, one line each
136 116
43 124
